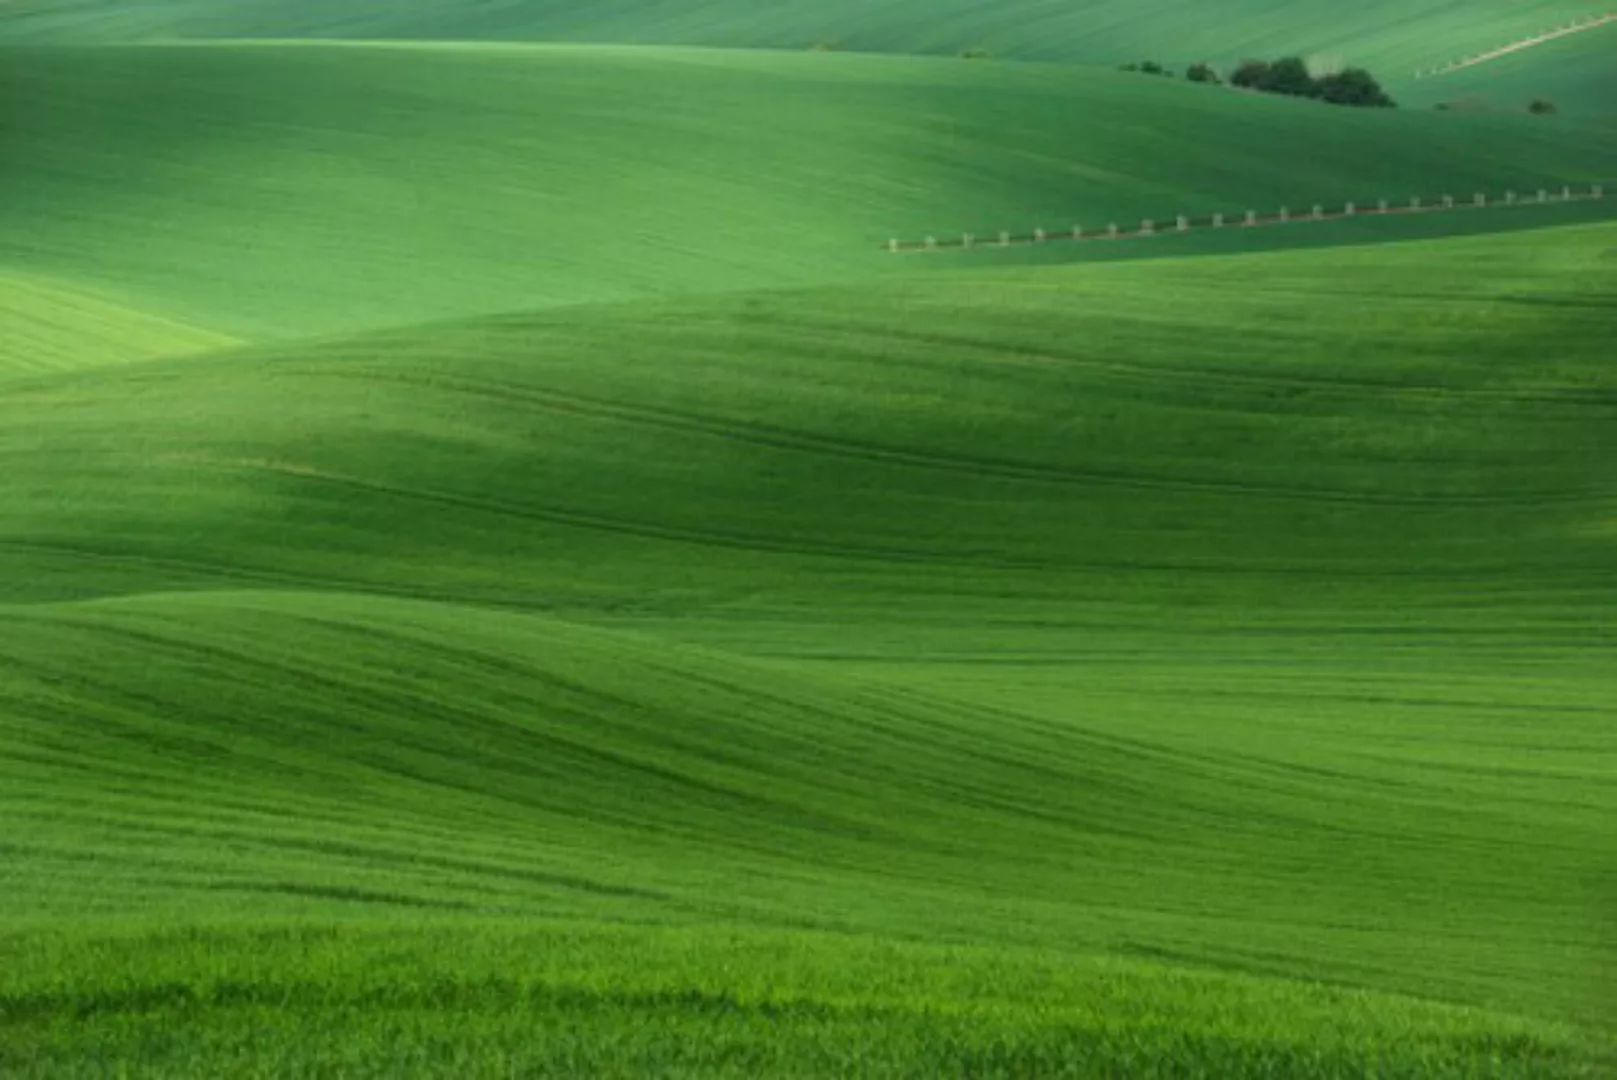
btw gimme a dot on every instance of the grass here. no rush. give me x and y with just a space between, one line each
1187 667
44 327
1574 72
283 191
1399 35
623 1003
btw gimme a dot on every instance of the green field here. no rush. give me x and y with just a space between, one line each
1575 72
1047 617
46 328
286 191
1398 34
501 574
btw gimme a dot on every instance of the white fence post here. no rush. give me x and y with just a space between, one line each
1218 221
1414 204
1077 232
1112 230
1543 196
1184 223
1597 192
1448 202
1251 217
967 241
932 243
1004 239
1482 200
1383 206
1350 209
892 245
1510 198
1285 214
1319 212
1148 227
1566 193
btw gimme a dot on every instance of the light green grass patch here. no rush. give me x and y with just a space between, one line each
45 327
342 999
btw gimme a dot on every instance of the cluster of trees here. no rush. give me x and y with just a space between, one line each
1290 76
1199 73
1350 86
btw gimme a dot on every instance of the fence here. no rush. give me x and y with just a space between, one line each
1316 212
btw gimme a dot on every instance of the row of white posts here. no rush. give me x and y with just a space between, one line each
1149 227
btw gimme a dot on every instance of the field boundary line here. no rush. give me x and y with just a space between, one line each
1593 22
1173 225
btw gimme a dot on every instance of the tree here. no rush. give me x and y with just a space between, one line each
1353 86
1542 107
1289 76
1251 75
1350 86
1202 73
1148 67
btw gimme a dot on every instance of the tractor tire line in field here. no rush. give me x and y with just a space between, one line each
1593 23
1175 226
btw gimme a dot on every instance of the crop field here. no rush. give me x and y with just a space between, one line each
502 575
221 187
1574 72
1395 33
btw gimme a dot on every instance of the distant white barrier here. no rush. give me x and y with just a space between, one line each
1319 212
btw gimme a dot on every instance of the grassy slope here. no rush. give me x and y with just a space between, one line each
845 875
1296 569
1033 398
1578 73
268 191
45 327
1397 34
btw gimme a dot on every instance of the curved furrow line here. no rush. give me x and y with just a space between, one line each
780 438
1163 371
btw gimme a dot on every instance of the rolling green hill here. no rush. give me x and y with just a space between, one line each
502 574
279 191
1187 667
1396 34
1577 73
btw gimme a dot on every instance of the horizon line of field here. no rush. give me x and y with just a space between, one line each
1591 23
1182 223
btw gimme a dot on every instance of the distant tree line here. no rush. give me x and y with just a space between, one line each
1289 76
